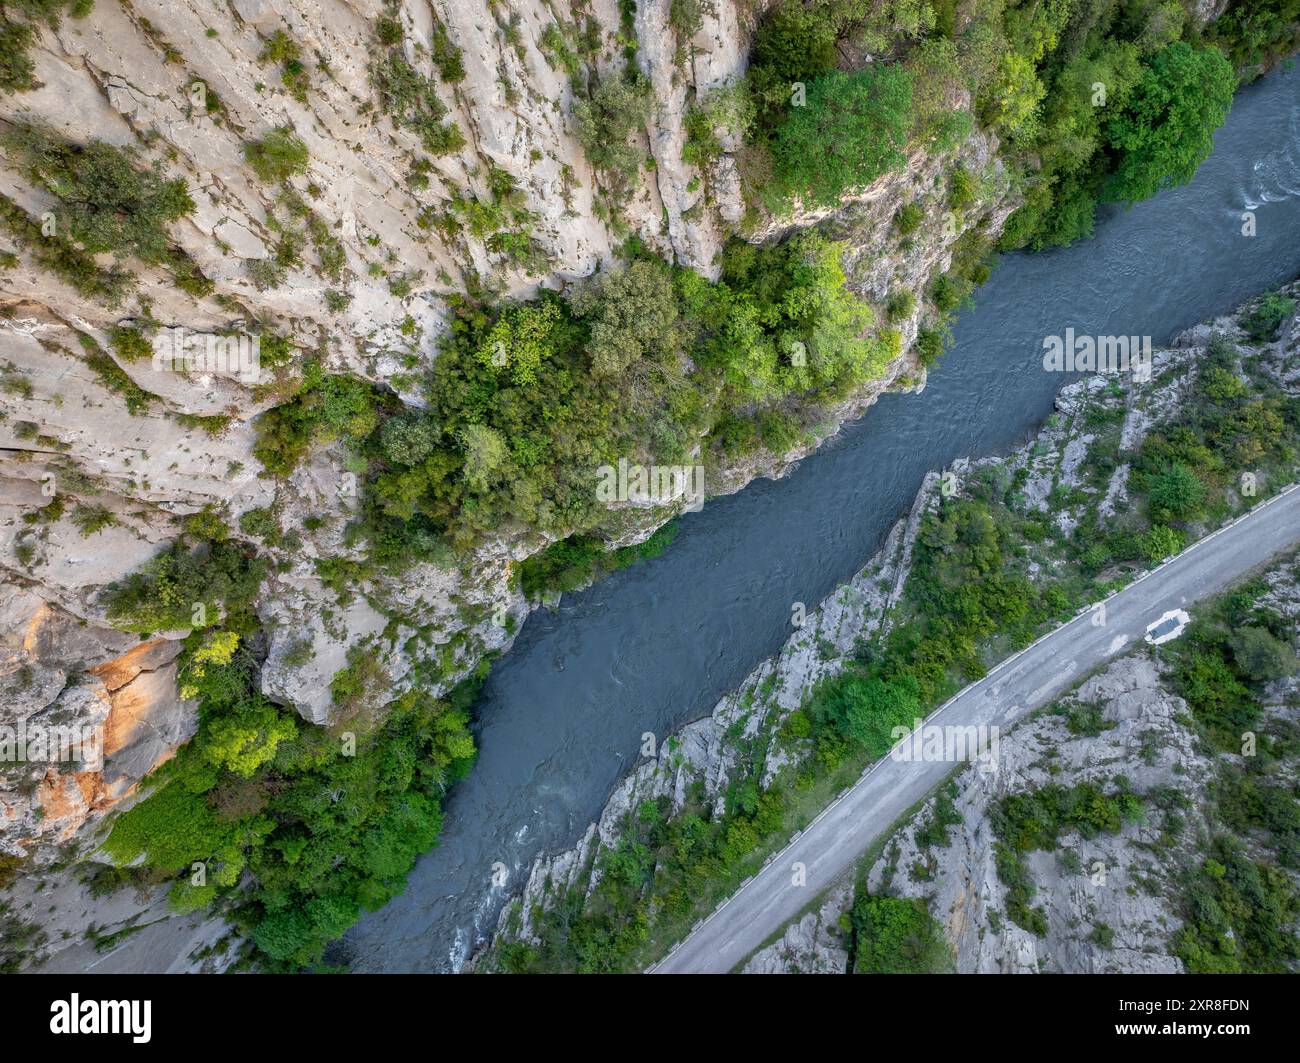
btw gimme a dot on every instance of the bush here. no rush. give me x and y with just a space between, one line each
902 305
1161 542
1266 316
107 202
16 69
633 315
961 189
129 344
1237 912
852 129
909 218
277 156
17 74
893 935
949 292
412 99
1261 656
168 592
865 710
1035 820
792 45
1166 130
930 345
573 563
1176 492
607 120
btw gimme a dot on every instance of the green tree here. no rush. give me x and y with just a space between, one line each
408 440
1166 129
606 121
1161 541
242 740
633 315
1177 490
521 340
1262 656
485 454
107 201
865 710
894 935
850 130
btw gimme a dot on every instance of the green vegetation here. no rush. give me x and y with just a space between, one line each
1035 820
1223 662
897 936
277 156
185 586
1256 34
1187 467
1239 904
64 259
324 832
17 32
968 601
1167 127
1238 911
1093 101
573 563
852 129
527 401
1266 316
286 53
105 202
326 823
1124 112
606 120
409 97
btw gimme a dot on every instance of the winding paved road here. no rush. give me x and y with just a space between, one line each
834 842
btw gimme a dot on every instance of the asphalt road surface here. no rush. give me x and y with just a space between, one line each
834 842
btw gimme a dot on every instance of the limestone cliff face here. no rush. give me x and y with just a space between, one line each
189 85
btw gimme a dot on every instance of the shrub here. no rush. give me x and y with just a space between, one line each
902 305
1166 129
792 44
106 201
961 189
930 345
412 100
167 593
16 69
1176 492
606 121
1160 542
909 218
1266 316
851 130
277 156
894 935
1261 656
130 344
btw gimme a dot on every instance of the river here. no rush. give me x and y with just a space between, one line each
655 646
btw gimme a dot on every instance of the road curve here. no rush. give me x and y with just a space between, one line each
833 842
